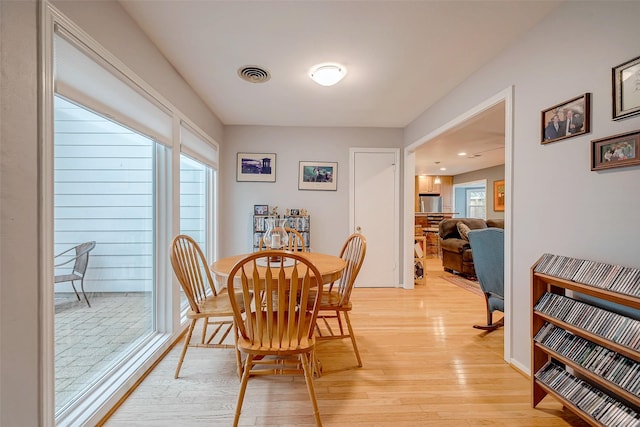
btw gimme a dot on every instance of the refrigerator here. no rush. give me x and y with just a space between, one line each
430 203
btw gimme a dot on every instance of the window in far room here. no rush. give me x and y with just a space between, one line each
470 199
476 203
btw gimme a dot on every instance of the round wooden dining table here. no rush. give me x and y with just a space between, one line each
330 266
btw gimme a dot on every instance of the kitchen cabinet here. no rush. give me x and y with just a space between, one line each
446 191
425 184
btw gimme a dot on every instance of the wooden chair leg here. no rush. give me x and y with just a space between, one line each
309 380
187 339
238 355
204 330
490 326
340 322
243 388
353 338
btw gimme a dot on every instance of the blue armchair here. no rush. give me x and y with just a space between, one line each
488 258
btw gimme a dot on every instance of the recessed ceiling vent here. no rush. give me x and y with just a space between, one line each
253 74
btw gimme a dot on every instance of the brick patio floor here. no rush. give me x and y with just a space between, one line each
88 340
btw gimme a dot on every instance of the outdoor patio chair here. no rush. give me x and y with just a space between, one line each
80 261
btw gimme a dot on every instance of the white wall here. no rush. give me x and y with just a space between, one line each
559 205
329 210
19 323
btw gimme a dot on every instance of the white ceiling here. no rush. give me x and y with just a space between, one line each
401 56
481 138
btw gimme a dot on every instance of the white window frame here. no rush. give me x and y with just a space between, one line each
89 410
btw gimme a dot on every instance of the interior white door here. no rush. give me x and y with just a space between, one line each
375 213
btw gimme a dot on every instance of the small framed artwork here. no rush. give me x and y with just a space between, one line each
615 151
256 167
571 118
626 89
318 176
260 209
294 212
498 195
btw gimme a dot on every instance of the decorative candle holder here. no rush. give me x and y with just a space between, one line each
275 236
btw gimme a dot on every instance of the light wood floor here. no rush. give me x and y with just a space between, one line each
424 365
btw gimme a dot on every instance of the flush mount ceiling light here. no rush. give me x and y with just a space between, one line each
327 74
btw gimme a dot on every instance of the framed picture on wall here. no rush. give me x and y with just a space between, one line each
318 176
256 167
626 89
571 118
498 195
616 151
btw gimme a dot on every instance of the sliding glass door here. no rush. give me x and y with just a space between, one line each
103 193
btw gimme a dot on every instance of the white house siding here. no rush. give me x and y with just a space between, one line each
104 192
193 204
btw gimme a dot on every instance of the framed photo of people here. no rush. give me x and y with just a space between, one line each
570 118
626 89
616 151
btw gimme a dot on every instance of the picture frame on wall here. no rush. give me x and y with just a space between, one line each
256 167
616 151
626 89
568 119
318 176
498 195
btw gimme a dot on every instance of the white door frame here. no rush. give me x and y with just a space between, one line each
396 226
505 96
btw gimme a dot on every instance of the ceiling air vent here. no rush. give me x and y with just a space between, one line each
253 74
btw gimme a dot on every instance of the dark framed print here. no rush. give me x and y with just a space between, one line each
626 89
294 212
261 209
318 176
616 151
256 167
498 195
571 118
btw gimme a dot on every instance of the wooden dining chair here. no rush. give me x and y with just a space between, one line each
205 302
296 241
336 302
277 332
